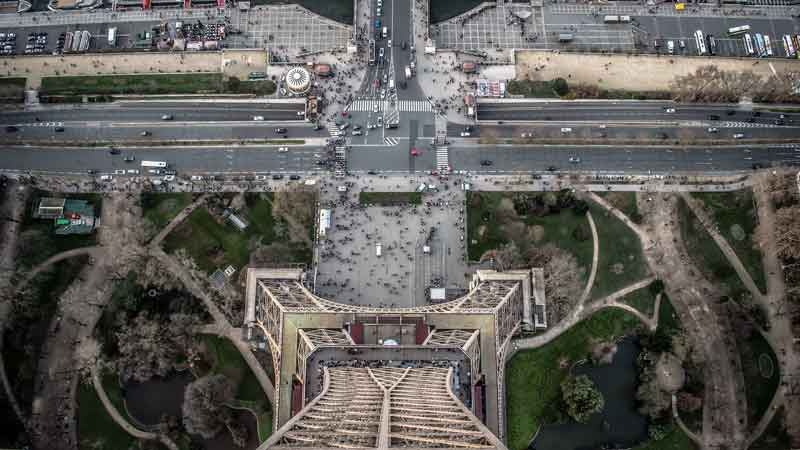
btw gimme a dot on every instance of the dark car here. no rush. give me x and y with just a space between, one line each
403 45
130 158
294 177
750 119
91 171
114 151
730 112
756 113
59 129
277 177
11 129
713 117
468 128
552 168
486 162
779 122
372 172
281 130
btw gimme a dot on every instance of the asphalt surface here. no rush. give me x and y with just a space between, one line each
463 157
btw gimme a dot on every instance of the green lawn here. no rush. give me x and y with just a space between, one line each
706 254
675 440
96 429
735 216
12 89
643 300
530 88
215 244
159 209
533 377
180 83
389 198
668 319
623 201
759 388
37 240
228 361
621 261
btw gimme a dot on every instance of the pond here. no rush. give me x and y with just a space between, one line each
619 425
147 401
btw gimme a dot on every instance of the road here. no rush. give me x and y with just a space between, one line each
505 159
628 111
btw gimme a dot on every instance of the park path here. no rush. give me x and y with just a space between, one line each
178 220
595 257
780 335
120 420
94 250
724 415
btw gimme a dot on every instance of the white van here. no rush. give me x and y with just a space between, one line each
385 32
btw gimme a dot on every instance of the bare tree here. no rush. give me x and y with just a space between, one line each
204 405
787 224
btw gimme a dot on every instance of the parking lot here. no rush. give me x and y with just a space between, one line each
351 271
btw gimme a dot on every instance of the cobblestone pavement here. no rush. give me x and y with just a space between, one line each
400 275
491 27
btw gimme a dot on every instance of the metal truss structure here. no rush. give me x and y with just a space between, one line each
375 405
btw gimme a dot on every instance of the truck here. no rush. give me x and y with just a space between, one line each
391 84
112 36
565 37
378 249
408 73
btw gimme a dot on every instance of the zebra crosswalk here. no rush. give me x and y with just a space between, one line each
333 129
385 105
442 158
390 141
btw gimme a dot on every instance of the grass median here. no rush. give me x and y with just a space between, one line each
390 198
159 84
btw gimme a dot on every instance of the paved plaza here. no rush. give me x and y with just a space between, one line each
350 271
493 27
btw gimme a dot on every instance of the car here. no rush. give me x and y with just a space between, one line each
713 117
465 134
375 108
566 130
277 176
379 12
669 110
132 171
756 113
261 178
779 122
91 171
381 53
114 151
356 127
750 119
486 162
662 135
713 130
468 128
377 23
283 149
169 172
301 113
59 129
145 133
281 130
380 121
294 177
372 172
11 129
130 158
169 177
258 118
526 135
403 45
389 44
414 151
154 171
738 136
106 178
167 117
119 172
552 168
196 178
357 132
730 112
317 126
574 159
383 93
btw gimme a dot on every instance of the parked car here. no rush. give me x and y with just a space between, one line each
167 117
486 162
281 130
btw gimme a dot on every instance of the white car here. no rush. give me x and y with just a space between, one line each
465 134
197 178
574 159
738 136
133 171
106 178
261 178
119 172
566 130
713 130
301 113
383 93
258 118
169 177
375 108
389 44
283 149
669 110
154 171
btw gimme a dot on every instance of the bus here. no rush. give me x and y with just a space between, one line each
700 41
787 45
735 31
760 45
795 45
768 45
748 44
159 164
257 76
611 19
371 52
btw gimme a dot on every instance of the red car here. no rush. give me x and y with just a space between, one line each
414 152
